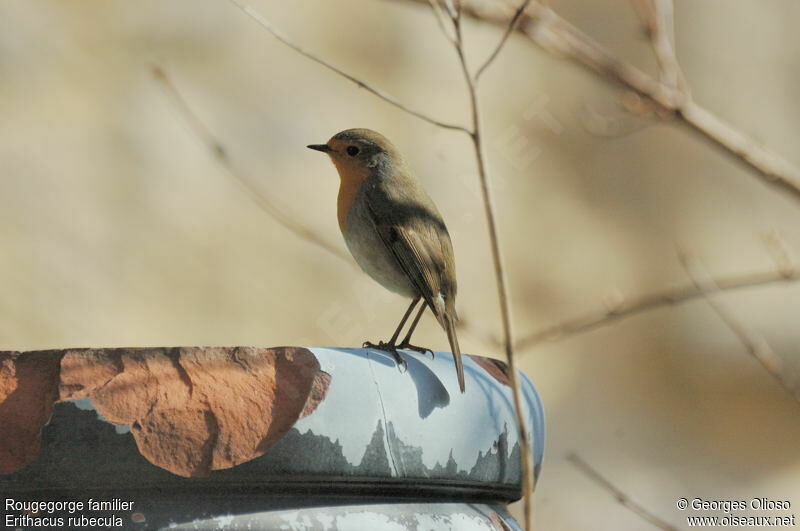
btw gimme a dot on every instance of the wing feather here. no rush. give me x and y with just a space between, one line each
417 259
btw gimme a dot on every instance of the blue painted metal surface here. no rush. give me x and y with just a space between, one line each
425 427
382 433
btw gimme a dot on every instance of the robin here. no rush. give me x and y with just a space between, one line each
395 233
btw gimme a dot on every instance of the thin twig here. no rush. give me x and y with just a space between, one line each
453 11
659 20
622 498
754 342
221 154
651 301
509 30
255 15
646 11
547 29
497 259
671 73
437 11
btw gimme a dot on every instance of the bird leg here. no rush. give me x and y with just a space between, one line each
391 345
406 342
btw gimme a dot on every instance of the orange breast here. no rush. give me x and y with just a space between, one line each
350 182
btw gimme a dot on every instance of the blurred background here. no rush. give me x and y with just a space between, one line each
118 226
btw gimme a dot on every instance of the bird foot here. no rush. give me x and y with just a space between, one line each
391 349
421 350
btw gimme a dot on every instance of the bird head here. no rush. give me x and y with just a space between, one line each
358 153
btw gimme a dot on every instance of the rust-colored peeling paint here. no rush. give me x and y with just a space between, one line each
319 388
496 368
191 410
28 389
84 371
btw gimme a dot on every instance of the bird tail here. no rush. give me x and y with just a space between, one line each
445 313
450 328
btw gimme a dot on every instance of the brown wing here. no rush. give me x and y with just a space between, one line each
411 228
418 240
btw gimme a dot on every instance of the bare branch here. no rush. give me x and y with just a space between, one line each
651 301
500 274
456 9
452 10
255 15
646 11
511 26
659 20
548 30
221 154
622 498
754 342
773 169
440 20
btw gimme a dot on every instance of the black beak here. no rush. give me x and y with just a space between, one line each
320 147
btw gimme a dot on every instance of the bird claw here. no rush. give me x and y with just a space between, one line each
391 349
369 344
421 350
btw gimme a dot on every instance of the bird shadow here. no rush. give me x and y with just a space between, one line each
431 392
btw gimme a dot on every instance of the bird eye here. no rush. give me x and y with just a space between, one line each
352 151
